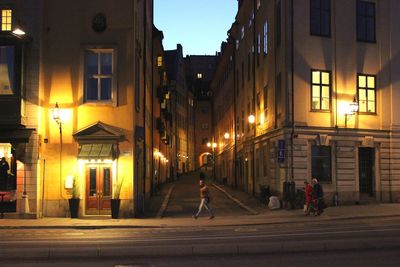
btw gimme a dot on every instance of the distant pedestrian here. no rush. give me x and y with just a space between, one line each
308 190
4 167
204 200
318 197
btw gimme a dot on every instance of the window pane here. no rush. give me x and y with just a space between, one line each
105 84
371 82
325 91
316 91
371 95
106 182
106 63
325 103
362 81
325 77
362 94
316 103
91 61
316 77
91 89
92 182
6 70
363 106
371 106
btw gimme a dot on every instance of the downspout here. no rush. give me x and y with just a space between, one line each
254 100
234 111
144 99
292 85
336 195
152 115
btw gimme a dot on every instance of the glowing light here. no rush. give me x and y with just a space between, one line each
226 135
251 119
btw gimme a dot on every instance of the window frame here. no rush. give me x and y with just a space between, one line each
114 76
320 85
321 12
265 31
366 88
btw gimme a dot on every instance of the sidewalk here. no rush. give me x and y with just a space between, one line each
257 213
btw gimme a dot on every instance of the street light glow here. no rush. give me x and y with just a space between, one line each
252 119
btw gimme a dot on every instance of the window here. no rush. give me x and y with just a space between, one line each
265 38
204 126
278 23
159 61
98 74
7 75
321 163
266 158
199 75
258 4
242 33
320 90
320 17
366 91
365 21
6 19
248 65
204 141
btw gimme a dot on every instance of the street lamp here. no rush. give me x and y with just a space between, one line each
226 135
252 119
57 117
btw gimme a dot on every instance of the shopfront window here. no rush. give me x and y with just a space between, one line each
321 163
7 167
7 57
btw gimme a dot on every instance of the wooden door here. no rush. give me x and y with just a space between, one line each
98 189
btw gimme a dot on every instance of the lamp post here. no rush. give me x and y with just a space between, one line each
252 120
58 119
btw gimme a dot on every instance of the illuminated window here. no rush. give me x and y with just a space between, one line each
320 90
99 72
7 76
159 61
6 19
199 75
366 90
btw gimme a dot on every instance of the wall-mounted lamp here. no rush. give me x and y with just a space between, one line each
57 116
351 110
251 119
226 135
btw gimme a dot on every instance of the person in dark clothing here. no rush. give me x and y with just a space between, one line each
318 197
4 167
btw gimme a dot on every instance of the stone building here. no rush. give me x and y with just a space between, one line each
316 96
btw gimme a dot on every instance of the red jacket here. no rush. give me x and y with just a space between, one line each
308 191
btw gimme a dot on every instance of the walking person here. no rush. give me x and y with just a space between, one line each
308 190
204 199
318 196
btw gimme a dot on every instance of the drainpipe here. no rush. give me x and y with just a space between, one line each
144 101
292 85
253 162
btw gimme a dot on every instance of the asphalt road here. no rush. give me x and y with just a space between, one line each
109 246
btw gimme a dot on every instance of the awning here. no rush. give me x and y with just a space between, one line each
96 151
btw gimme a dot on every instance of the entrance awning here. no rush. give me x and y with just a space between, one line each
96 151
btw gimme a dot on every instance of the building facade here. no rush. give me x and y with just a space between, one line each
318 81
79 110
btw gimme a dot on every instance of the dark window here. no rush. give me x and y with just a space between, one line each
265 102
7 68
98 75
278 24
365 21
242 74
137 82
320 17
248 66
321 163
